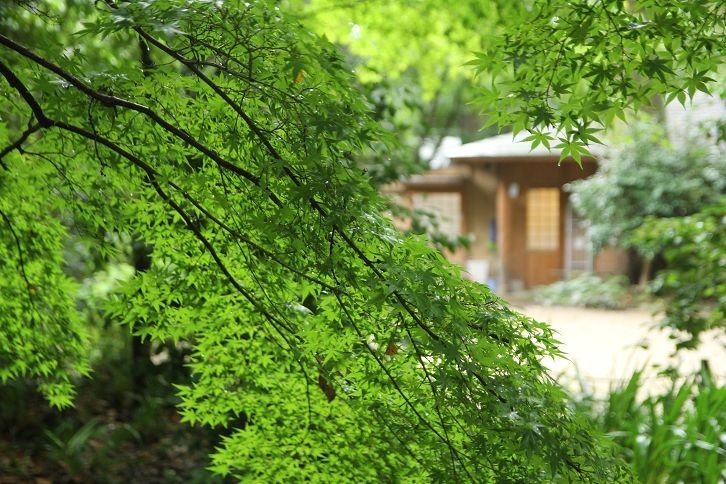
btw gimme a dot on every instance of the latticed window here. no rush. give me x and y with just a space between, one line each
445 209
543 219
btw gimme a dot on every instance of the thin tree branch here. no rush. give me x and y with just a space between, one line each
109 100
15 83
191 64
17 144
21 258
47 122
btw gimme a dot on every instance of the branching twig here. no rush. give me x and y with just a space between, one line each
18 144
21 258
109 100
191 64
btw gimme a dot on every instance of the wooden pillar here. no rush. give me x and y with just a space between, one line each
503 235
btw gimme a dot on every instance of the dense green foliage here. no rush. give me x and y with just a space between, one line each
43 335
335 348
586 290
694 281
671 435
221 137
569 68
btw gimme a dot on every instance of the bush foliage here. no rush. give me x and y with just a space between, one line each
671 436
586 290
693 284
636 181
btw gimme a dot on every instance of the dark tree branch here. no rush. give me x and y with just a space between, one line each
15 83
437 406
108 100
21 258
17 144
147 63
152 177
192 65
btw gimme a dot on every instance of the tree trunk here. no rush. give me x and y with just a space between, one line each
645 270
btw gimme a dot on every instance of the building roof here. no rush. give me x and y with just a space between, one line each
506 146
451 177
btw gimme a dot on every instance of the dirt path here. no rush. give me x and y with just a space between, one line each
607 346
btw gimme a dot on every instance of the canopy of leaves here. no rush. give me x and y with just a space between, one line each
565 69
646 177
412 71
694 282
334 348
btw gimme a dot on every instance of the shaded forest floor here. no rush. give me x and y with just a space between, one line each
119 430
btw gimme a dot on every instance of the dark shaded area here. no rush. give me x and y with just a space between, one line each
124 426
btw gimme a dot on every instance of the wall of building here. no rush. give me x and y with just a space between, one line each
611 261
683 122
479 195
521 267
497 190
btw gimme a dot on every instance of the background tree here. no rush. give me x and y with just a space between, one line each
644 176
693 282
414 75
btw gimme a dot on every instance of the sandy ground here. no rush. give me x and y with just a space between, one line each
605 347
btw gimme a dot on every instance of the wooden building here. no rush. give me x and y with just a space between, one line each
511 200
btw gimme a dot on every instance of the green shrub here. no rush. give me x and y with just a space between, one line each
676 436
694 281
586 290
